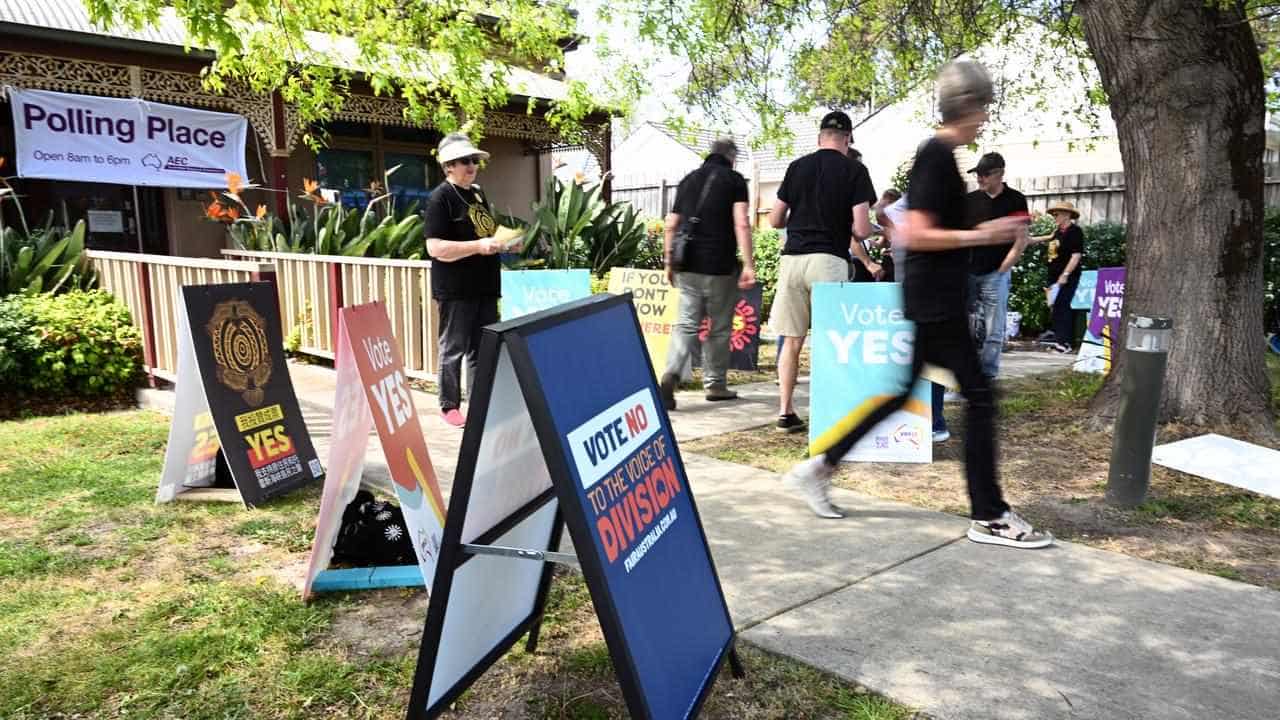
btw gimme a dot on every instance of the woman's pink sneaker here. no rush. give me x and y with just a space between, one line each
454 417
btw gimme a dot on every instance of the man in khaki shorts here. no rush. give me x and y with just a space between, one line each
823 204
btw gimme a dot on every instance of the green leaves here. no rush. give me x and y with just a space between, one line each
574 228
449 60
77 343
48 260
380 230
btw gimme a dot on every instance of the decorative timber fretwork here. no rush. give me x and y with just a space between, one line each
89 77
534 129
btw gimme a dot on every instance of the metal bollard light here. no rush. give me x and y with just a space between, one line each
1146 348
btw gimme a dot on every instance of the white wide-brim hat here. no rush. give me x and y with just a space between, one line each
457 145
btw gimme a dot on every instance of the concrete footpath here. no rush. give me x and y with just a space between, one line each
894 598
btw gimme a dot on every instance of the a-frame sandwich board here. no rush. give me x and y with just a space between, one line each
372 392
566 424
234 400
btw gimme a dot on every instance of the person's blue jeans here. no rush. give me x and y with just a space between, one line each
988 313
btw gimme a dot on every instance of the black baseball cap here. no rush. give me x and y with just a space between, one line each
990 161
836 120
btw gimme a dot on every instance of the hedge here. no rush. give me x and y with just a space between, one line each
80 343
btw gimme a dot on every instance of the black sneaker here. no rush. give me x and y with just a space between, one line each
1047 338
667 389
1062 348
791 423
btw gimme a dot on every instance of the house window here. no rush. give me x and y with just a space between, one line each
413 181
347 171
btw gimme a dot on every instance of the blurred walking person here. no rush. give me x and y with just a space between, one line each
939 237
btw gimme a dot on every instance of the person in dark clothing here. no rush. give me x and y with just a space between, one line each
712 203
466 277
990 267
1062 276
939 237
824 204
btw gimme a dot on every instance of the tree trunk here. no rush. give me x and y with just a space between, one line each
1186 93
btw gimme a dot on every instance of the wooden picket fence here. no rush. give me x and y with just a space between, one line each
313 287
149 285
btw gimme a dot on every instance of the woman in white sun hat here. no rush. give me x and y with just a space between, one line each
465 272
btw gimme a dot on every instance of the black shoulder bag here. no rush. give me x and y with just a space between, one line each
684 234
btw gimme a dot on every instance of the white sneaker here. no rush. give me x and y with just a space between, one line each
941 436
812 479
1011 531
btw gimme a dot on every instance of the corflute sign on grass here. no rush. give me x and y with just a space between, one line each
610 468
60 136
862 347
235 397
372 391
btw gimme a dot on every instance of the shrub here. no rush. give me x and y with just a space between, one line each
649 256
1104 245
573 227
767 246
81 343
1271 268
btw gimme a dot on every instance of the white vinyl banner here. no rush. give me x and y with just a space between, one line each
125 141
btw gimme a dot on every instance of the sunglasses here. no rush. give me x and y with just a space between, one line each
472 160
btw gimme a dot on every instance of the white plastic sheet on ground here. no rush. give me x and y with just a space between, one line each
1222 459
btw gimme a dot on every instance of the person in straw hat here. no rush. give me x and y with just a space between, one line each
465 272
939 236
1066 250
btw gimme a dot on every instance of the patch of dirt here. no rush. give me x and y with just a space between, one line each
378 623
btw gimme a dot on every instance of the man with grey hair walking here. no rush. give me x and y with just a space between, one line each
705 231
938 239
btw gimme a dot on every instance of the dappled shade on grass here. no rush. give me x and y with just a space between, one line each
112 606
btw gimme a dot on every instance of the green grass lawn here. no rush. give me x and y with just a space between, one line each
114 607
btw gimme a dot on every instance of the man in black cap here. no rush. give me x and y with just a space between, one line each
823 204
989 267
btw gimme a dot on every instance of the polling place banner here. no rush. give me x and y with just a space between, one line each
372 390
657 304
861 353
529 291
86 138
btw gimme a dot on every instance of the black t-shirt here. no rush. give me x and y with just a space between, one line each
460 214
983 207
935 283
713 246
820 189
1063 245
